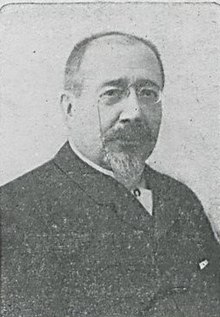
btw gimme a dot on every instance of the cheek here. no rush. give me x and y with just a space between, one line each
87 115
85 123
109 116
152 116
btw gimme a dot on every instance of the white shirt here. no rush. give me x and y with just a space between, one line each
142 194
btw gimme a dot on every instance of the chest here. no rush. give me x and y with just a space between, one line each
77 252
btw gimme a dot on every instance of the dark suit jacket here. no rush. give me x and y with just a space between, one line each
76 243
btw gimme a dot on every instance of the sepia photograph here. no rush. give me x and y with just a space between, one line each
109 161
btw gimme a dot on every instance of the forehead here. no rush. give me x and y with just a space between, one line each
109 59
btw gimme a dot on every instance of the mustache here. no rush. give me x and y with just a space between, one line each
135 131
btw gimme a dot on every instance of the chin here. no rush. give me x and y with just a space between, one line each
127 166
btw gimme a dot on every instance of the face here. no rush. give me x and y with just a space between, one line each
119 109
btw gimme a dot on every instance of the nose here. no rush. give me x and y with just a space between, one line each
131 108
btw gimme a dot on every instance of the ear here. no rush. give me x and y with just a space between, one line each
67 102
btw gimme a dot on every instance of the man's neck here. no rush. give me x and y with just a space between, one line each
88 161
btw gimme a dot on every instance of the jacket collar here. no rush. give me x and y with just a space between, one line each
105 190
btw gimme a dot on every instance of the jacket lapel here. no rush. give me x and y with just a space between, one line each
166 204
107 191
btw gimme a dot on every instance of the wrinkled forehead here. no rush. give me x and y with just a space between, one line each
112 58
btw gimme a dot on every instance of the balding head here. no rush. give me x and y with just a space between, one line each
72 81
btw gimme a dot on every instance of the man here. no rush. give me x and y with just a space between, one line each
96 231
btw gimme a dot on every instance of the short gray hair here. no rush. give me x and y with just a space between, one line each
76 57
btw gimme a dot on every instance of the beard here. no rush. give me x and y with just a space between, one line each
127 167
123 152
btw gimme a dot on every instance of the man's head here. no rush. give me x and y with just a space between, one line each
113 83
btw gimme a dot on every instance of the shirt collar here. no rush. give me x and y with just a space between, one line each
89 162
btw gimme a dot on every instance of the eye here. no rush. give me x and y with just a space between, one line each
149 95
111 92
111 96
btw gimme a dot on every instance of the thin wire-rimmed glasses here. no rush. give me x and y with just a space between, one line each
146 95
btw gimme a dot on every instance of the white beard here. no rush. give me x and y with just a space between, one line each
127 167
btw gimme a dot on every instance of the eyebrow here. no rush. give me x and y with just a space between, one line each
123 82
142 82
116 82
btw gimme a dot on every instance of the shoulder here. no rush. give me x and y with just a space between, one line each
36 188
172 190
23 203
44 185
188 210
181 203
32 181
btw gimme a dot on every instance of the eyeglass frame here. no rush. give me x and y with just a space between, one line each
127 92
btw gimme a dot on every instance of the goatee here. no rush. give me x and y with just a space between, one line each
127 166
123 151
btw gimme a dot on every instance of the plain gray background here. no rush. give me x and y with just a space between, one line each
36 41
